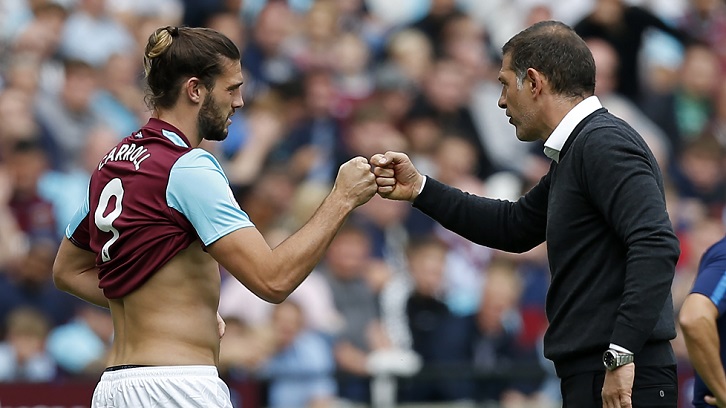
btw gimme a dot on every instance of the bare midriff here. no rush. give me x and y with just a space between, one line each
172 318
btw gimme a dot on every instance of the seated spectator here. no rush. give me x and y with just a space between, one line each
119 100
91 20
28 282
67 118
80 346
440 337
497 349
345 266
301 371
698 173
26 165
22 354
245 348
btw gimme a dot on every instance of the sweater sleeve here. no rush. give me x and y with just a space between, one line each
509 226
623 184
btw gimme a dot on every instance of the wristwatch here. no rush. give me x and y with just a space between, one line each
613 359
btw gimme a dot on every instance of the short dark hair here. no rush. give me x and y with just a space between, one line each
556 51
175 53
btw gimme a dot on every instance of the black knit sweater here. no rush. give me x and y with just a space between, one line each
612 249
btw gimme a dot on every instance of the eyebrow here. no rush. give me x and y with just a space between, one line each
235 85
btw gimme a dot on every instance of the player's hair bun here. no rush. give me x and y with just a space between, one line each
159 42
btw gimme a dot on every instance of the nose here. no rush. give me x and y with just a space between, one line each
237 102
502 102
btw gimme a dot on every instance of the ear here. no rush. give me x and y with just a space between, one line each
193 90
536 81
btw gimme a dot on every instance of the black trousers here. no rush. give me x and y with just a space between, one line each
654 387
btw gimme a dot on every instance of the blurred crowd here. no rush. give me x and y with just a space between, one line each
326 80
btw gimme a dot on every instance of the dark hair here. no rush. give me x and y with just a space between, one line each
173 54
556 51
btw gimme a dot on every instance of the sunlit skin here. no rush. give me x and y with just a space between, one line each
518 102
220 104
172 319
533 109
205 113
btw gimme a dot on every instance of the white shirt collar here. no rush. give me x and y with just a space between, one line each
559 136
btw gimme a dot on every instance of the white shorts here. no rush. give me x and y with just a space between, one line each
166 386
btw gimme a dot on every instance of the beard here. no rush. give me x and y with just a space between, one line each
211 124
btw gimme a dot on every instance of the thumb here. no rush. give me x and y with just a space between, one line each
393 158
710 400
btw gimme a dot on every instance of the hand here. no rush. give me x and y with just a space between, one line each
221 325
715 402
355 181
396 177
617 391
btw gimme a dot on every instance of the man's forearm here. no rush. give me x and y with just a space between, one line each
703 348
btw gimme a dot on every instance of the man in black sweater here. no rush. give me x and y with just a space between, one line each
601 209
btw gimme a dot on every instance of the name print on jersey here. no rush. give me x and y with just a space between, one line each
130 152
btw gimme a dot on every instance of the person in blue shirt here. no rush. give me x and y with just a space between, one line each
704 324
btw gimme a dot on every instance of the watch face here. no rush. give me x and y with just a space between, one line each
609 359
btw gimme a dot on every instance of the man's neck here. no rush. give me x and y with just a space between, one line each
184 121
556 110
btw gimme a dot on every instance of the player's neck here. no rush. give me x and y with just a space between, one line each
184 121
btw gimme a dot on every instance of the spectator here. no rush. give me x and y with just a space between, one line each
119 99
314 148
301 371
698 173
432 24
312 47
687 111
26 165
606 82
67 119
496 344
27 282
705 20
22 355
264 57
411 52
440 337
624 26
344 267
80 347
445 99
16 112
92 20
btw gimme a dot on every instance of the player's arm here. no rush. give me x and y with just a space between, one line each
273 274
230 236
698 321
75 272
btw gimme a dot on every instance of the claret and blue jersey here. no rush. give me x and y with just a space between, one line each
151 197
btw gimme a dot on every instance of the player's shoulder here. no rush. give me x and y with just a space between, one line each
198 167
717 251
197 158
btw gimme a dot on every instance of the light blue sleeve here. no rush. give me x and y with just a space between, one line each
199 189
80 214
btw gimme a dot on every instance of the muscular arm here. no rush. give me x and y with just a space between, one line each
75 272
698 320
272 274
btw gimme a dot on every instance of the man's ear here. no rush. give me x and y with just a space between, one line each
536 81
193 89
